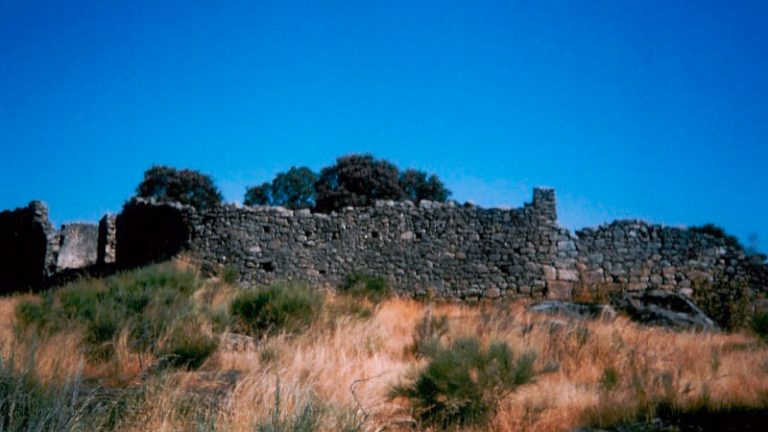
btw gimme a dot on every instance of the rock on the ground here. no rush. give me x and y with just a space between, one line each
664 308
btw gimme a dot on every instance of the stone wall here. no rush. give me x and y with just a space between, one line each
27 247
457 251
635 256
78 246
460 252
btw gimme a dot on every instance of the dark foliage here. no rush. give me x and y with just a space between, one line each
356 180
418 186
168 184
462 384
289 307
759 324
258 195
373 288
294 189
189 348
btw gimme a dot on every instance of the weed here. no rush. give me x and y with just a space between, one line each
429 332
463 383
610 378
373 288
189 348
759 324
289 307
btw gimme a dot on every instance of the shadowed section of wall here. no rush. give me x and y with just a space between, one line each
25 258
147 233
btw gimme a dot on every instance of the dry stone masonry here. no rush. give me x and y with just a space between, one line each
461 252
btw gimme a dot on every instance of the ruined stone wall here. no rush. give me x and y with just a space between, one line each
635 256
461 252
27 247
457 251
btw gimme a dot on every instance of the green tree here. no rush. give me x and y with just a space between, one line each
294 189
259 195
190 187
356 180
418 186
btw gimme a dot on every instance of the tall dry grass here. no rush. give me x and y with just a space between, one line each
347 365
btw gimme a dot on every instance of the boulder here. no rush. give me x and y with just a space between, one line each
574 310
663 308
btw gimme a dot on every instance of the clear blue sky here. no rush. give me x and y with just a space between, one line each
646 109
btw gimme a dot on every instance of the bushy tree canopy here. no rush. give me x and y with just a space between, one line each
294 189
418 186
356 180
190 187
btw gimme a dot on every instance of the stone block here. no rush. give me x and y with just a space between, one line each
79 246
559 290
567 275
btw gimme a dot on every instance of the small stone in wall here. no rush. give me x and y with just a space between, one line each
567 275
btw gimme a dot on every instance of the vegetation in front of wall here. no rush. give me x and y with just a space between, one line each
362 285
453 366
463 383
146 303
289 307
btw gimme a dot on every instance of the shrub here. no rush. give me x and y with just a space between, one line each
429 332
189 348
167 184
461 385
610 378
373 288
759 324
289 307
147 302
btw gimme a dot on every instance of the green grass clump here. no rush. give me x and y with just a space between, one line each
147 302
373 288
759 324
188 348
289 307
462 384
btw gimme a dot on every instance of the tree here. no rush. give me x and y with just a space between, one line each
294 189
417 186
168 184
258 195
356 180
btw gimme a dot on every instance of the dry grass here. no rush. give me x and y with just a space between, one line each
349 364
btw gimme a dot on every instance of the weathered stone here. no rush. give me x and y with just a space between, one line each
559 290
567 275
575 310
79 245
664 308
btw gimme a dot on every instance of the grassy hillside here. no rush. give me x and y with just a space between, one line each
164 349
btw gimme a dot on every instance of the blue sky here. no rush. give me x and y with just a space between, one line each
655 110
